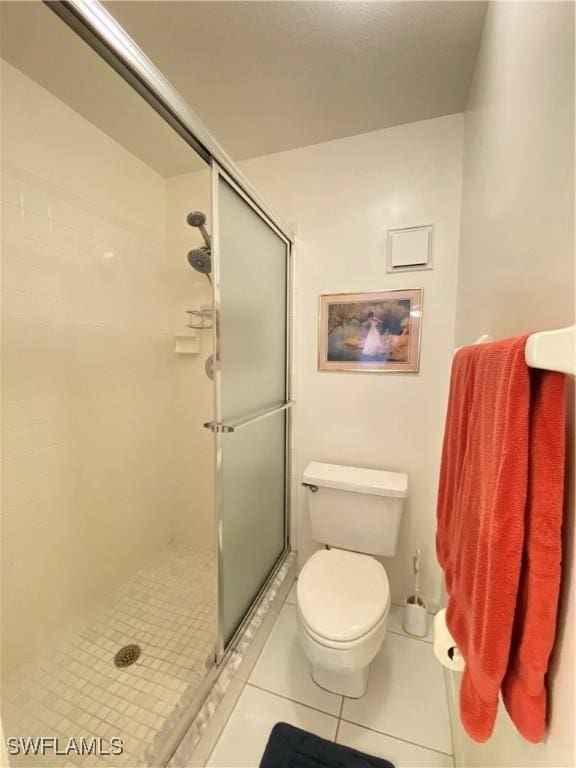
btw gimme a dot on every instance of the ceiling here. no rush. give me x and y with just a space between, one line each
263 76
270 76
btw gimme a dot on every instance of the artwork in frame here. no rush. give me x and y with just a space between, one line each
377 331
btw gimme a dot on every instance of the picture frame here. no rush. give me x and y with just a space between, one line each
377 331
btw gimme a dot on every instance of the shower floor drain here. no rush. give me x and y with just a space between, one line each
127 655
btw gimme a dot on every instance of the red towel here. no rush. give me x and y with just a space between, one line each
499 525
524 689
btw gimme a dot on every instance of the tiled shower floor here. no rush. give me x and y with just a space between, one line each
169 609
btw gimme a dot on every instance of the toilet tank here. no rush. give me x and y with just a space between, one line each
355 508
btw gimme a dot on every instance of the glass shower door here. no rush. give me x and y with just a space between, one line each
251 275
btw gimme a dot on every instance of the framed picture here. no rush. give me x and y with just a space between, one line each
377 331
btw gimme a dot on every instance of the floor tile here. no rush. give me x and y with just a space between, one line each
406 695
400 753
284 669
244 738
394 623
168 607
292 594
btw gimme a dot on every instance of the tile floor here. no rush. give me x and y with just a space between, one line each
169 609
403 716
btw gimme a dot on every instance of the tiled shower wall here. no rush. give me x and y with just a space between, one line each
193 457
89 372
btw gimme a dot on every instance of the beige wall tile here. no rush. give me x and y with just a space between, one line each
98 464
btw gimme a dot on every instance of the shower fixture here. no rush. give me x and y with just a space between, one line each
200 259
197 219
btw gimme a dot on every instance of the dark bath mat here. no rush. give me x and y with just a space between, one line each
290 747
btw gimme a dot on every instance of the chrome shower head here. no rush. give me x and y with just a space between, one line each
200 260
197 219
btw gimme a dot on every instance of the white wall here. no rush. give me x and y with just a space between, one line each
343 196
516 268
516 265
92 392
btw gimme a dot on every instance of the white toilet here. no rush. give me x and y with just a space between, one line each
343 596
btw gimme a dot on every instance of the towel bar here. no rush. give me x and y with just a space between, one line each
552 350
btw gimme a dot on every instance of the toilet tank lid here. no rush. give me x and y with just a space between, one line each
378 482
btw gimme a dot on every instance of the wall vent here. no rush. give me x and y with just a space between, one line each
409 249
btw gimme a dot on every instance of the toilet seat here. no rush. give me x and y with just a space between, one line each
343 597
336 645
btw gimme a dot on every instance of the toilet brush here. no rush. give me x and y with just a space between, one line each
415 616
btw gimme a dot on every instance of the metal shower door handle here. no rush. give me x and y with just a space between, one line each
226 428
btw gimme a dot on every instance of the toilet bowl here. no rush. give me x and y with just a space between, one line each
343 601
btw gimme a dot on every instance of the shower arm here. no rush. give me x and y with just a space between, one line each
205 236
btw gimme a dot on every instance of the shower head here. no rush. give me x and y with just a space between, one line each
197 219
200 260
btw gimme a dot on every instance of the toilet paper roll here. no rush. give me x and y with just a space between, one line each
445 649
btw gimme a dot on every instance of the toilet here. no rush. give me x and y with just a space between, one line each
343 594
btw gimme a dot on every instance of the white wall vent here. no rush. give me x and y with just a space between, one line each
409 248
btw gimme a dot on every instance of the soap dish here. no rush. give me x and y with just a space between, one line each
186 344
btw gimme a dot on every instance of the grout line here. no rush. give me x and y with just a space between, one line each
294 701
398 738
409 637
339 720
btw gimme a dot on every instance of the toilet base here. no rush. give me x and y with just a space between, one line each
352 684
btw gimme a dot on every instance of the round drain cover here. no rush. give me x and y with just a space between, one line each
127 655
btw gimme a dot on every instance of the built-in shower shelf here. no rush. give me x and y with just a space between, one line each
186 343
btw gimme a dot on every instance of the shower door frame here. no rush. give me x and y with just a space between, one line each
219 430
98 28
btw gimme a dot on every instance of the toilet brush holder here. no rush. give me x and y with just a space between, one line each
415 621
415 615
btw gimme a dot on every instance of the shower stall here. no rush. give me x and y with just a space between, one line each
145 408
